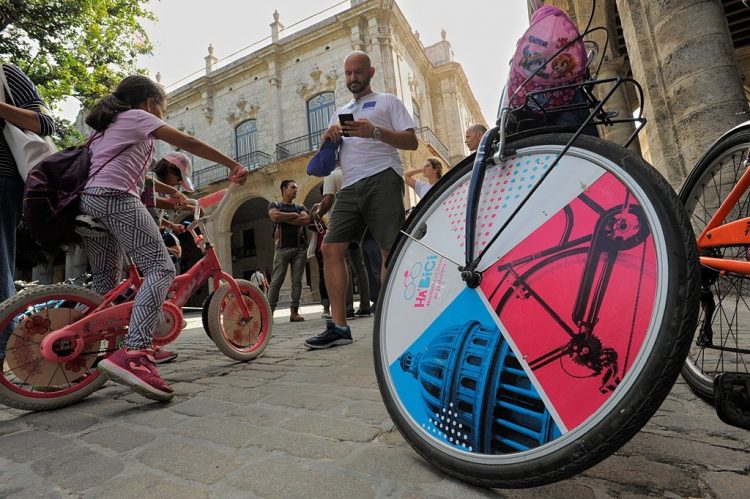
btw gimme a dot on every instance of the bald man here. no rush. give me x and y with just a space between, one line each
372 190
474 135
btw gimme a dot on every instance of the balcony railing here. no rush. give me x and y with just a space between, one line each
215 173
428 137
255 160
300 145
296 147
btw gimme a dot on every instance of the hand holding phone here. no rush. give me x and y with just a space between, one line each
345 118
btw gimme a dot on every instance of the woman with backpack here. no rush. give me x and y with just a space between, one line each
125 123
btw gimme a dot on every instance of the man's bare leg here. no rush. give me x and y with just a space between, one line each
337 279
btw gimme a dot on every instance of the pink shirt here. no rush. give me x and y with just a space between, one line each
127 171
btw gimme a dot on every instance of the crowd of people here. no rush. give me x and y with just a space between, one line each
355 223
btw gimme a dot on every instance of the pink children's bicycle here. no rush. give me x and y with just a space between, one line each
57 334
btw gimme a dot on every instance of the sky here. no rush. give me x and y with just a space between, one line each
482 34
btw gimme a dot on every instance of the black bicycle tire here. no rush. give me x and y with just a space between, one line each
702 385
204 313
653 382
17 401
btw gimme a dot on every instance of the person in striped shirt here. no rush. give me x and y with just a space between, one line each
23 107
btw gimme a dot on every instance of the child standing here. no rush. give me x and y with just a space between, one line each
125 123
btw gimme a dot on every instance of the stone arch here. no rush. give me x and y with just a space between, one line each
314 195
227 233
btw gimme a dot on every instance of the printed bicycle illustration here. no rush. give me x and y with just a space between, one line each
551 285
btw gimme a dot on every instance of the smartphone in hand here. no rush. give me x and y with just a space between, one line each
344 118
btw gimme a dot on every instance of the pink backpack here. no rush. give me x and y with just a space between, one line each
550 30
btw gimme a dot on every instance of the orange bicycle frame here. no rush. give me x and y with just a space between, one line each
737 233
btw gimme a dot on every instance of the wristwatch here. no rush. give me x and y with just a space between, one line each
377 133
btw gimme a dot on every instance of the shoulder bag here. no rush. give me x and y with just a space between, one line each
28 148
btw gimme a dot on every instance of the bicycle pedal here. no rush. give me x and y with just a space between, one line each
732 398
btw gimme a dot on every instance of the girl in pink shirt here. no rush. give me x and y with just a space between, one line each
125 123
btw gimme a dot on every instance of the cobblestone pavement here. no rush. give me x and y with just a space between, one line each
299 423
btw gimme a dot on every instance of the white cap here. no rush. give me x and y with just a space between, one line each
182 162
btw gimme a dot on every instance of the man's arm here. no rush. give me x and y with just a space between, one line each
406 139
302 219
324 206
409 177
277 216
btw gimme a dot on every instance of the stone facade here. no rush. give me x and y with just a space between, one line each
273 84
682 53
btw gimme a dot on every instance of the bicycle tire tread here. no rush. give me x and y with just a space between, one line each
653 384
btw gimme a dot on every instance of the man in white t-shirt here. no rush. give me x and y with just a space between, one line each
372 191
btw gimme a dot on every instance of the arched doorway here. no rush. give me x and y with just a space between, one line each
252 239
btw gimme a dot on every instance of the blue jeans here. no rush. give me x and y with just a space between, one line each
11 204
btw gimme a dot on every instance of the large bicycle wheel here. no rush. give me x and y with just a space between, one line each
722 338
576 333
237 338
31 382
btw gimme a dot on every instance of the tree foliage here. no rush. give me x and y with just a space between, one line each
78 48
71 48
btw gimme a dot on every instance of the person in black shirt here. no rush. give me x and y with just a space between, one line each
290 222
25 113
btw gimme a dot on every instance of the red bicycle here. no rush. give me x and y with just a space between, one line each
57 334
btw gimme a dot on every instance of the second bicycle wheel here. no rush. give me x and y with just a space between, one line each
722 338
575 335
237 338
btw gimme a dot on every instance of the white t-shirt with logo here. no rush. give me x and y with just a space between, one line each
361 158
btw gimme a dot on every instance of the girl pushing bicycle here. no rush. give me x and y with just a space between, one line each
125 123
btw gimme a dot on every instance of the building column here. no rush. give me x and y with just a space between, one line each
275 82
618 102
682 54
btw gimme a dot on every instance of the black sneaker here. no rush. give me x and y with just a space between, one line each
350 314
331 337
363 313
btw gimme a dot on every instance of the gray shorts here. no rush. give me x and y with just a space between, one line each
376 202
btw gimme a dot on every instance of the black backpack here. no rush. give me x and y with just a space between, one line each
53 192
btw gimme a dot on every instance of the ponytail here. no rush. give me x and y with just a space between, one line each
131 92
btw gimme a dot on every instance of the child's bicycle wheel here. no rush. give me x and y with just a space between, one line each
573 338
237 338
31 382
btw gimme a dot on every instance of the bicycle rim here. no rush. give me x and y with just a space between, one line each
28 380
236 338
471 386
722 336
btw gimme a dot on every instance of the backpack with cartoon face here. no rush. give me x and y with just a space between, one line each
552 51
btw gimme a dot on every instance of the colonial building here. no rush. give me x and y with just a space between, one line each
269 107
691 59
